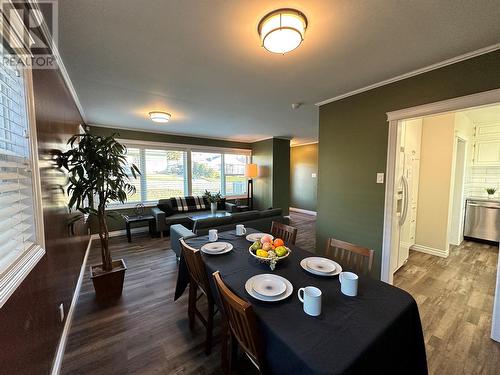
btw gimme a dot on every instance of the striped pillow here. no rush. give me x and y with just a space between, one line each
187 204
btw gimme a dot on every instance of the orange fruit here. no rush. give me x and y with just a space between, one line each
278 242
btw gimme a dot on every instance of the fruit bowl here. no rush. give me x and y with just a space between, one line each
271 260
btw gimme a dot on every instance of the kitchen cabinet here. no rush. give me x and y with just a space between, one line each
486 152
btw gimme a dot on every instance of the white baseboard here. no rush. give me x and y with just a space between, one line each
123 232
300 210
56 366
430 250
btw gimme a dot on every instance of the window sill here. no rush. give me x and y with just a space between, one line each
14 276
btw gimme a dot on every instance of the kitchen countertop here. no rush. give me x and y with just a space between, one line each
484 199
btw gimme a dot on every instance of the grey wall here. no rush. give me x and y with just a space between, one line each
353 146
304 187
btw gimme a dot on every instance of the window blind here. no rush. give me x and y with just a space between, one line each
17 226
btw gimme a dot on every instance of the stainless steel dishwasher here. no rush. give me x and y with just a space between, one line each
482 219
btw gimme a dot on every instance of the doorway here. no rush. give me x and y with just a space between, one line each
393 202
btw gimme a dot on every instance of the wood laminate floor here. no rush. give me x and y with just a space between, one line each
455 299
145 332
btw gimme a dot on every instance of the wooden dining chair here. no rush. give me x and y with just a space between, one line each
286 232
198 279
241 325
351 257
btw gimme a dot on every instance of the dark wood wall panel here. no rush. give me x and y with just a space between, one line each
30 324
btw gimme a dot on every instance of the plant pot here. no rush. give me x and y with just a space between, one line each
491 196
213 207
108 284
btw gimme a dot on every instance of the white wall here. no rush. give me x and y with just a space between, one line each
436 160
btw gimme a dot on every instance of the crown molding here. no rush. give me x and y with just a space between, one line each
168 133
304 144
55 51
413 73
484 98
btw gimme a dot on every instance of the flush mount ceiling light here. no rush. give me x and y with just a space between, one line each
282 30
158 116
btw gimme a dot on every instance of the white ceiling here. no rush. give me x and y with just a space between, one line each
202 61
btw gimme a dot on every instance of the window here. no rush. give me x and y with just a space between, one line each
21 227
134 157
164 174
172 170
206 172
234 171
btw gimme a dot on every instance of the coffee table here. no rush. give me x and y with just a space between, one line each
137 219
199 216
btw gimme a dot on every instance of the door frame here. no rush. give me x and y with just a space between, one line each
451 105
457 140
393 117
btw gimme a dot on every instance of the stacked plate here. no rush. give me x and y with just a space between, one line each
268 287
257 236
321 266
216 248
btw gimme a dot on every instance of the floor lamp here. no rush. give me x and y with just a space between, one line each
251 173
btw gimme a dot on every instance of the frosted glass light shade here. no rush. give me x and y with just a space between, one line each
282 30
158 116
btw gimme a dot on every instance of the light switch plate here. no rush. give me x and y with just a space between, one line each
314 175
380 178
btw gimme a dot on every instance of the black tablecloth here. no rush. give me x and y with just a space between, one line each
378 331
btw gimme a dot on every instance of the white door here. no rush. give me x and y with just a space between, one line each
455 231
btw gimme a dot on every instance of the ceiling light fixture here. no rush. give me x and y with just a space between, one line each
158 116
282 30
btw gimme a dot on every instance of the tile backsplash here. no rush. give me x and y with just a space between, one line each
479 178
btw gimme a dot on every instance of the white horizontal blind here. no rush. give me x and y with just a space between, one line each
17 227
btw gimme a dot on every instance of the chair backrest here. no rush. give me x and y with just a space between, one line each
351 257
286 232
242 322
196 267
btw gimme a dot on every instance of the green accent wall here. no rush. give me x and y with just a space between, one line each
353 146
304 187
272 186
262 155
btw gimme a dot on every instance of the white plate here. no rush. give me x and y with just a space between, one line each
321 265
214 247
304 265
228 248
252 237
254 294
268 285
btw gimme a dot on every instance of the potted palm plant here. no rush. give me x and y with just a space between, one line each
99 174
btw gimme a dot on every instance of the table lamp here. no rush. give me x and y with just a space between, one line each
251 173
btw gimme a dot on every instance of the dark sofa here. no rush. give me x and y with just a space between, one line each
260 220
166 215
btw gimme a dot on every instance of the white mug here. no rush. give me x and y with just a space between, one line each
311 300
349 283
240 230
212 235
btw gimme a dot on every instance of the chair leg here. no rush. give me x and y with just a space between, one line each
193 292
225 354
210 326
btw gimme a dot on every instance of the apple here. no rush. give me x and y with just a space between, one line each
266 239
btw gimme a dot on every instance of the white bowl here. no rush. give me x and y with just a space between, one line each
268 259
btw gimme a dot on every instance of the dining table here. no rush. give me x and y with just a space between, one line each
376 332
